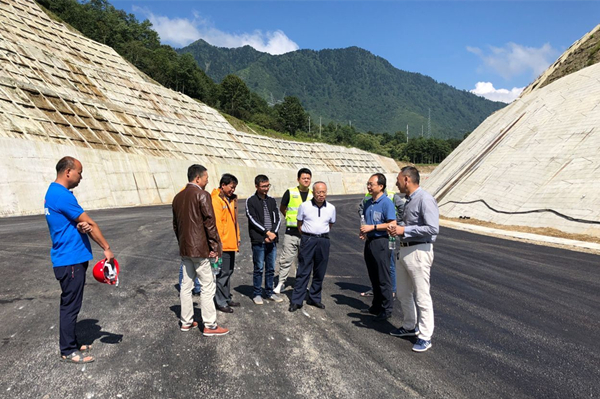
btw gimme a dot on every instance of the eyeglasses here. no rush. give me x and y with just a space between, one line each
371 184
265 186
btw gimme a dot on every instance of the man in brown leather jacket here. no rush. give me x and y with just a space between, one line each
196 231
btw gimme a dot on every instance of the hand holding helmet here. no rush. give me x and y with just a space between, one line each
107 271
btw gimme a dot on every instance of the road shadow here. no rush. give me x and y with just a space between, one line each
176 309
356 303
358 288
363 320
89 331
245 290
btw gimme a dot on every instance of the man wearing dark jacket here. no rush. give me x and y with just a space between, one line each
196 231
263 225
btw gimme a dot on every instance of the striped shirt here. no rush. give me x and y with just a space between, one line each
268 221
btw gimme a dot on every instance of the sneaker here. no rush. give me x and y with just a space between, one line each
214 331
279 287
275 298
421 345
188 328
403 332
257 300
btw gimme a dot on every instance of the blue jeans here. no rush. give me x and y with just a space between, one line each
197 287
264 255
393 272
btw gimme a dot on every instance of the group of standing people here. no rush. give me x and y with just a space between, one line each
417 232
207 231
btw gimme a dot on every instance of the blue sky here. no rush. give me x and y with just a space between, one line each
492 47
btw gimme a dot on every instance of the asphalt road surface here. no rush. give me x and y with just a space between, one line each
513 320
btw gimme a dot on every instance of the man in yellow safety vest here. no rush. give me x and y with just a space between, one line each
292 198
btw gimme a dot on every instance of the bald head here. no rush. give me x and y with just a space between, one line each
69 172
64 164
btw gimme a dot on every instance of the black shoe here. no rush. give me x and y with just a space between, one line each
294 307
233 304
315 304
382 316
369 311
225 309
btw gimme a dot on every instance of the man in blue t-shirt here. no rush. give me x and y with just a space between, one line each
71 252
379 212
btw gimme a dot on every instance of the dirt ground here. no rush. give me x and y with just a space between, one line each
542 231
533 230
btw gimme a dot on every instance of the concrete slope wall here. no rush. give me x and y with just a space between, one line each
540 152
63 94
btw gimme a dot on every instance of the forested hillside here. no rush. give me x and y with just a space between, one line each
138 43
351 86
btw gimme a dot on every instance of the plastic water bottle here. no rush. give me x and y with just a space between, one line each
362 220
392 243
215 266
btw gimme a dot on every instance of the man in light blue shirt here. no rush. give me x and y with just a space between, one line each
71 252
379 213
420 230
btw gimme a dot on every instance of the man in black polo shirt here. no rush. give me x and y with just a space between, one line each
315 218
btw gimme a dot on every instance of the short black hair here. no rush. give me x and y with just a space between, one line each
227 178
303 171
195 171
64 164
381 180
260 179
411 172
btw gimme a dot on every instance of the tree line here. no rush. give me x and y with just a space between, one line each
139 44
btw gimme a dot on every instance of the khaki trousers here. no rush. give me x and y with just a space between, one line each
192 268
289 253
412 280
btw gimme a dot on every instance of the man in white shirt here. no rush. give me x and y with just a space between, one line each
315 218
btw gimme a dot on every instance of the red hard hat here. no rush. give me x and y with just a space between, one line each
107 272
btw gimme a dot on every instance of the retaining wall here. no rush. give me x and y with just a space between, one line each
63 94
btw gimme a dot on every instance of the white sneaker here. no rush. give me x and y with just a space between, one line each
275 298
279 287
257 300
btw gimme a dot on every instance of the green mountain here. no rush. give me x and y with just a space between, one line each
350 85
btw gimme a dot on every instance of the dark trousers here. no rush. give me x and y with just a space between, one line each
313 256
223 292
377 258
72 280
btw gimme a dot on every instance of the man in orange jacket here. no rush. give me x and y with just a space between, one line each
225 206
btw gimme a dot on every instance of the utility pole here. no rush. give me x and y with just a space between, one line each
407 133
319 127
429 125
309 125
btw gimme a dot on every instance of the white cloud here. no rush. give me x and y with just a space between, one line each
180 32
487 90
515 60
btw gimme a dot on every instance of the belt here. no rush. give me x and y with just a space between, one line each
369 239
324 235
410 244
